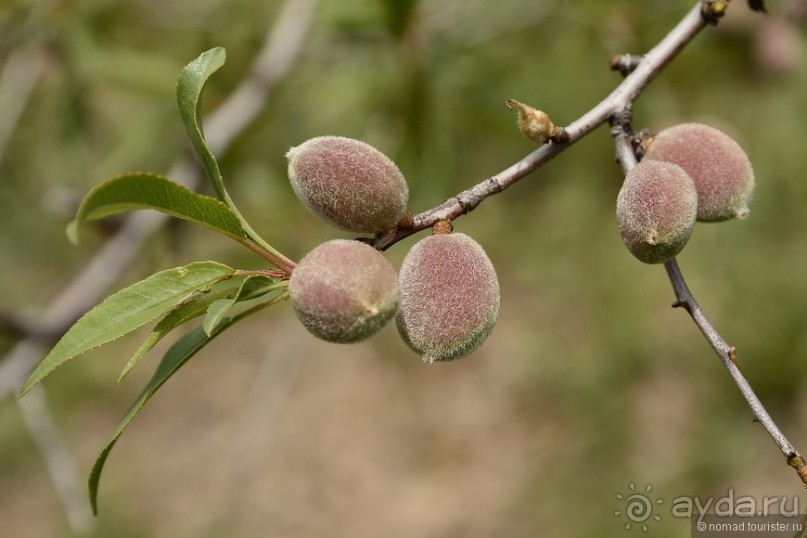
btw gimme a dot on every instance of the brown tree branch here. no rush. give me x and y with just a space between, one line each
616 108
621 98
727 353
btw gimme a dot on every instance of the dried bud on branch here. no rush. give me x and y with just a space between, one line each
535 124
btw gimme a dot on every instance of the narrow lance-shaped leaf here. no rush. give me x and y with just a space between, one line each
191 308
191 82
253 287
128 309
179 353
140 190
182 350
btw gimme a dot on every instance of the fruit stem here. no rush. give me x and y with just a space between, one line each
442 227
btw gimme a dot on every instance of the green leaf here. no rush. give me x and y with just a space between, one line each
141 190
253 287
191 82
128 309
191 308
179 353
182 350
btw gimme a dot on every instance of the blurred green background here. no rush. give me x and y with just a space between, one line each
590 381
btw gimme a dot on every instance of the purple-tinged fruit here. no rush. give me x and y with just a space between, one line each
719 167
348 183
656 210
449 297
344 291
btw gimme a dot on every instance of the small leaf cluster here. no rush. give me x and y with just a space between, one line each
219 294
690 172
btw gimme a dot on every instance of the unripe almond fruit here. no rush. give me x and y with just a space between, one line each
718 165
449 297
344 291
656 210
348 183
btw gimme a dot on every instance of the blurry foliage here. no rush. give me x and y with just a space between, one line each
585 328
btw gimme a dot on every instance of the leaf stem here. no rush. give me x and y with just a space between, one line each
271 273
269 254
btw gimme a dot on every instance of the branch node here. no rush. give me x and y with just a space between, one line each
796 461
467 201
407 221
625 63
732 353
641 142
559 135
713 10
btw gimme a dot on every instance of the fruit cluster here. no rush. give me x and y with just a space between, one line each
446 296
690 172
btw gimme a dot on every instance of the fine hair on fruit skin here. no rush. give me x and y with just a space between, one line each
348 183
720 168
344 291
656 209
449 297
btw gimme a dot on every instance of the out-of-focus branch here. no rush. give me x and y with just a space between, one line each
18 79
278 56
59 461
726 353
120 250
643 73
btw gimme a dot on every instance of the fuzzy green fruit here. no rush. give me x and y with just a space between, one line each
718 165
656 210
348 183
344 291
449 297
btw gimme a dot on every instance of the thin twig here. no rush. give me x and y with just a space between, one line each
625 63
651 65
723 349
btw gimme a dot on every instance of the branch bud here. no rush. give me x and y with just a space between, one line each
535 124
713 10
